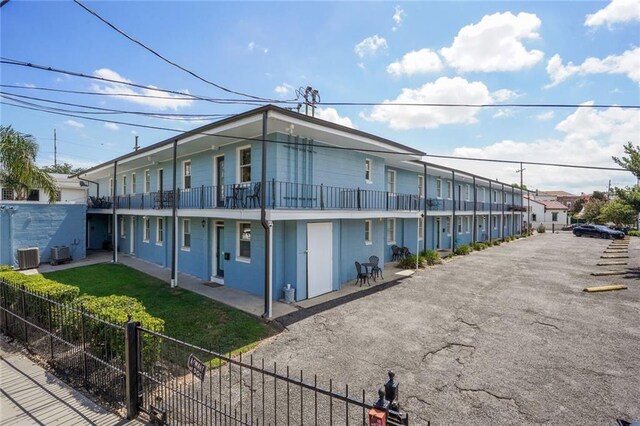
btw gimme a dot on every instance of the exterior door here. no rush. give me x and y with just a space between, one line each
132 246
438 233
319 258
219 163
219 266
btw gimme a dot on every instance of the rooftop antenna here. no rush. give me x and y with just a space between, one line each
136 147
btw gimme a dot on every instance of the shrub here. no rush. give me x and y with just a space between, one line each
541 229
4 268
496 242
432 257
478 246
409 262
462 250
39 284
634 233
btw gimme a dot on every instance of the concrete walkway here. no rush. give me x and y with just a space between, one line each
29 395
238 299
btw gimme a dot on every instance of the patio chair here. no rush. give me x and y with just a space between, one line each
254 199
404 252
375 269
233 199
395 252
362 276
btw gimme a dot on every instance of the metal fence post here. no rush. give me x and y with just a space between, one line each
131 350
24 316
84 345
50 326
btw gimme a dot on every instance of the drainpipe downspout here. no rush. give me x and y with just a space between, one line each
95 183
266 225
454 228
490 224
474 234
114 202
502 220
174 230
424 219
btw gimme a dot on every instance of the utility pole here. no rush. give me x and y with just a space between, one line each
311 97
521 171
55 149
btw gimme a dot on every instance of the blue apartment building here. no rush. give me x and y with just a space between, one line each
272 197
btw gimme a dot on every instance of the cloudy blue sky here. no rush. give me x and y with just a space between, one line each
383 52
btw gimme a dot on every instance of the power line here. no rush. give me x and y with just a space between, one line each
235 137
528 162
144 46
114 111
9 61
427 104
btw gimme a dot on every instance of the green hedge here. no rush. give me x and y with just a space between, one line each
634 233
409 262
432 257
117 309
39 284
463 250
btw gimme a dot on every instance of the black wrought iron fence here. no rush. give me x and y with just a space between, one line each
173 381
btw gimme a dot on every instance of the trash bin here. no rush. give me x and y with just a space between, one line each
289 293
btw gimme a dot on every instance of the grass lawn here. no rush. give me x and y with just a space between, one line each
188 316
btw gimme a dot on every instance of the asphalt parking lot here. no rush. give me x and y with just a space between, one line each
502 336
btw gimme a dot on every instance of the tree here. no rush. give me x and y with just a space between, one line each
593 209
64 168
630 196
517 185
632 162
599 195
577 206
618 212
18 169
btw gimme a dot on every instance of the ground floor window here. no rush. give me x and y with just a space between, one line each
122 233
495 222
244 241
467 224
391 231
186 234
420 228
367 232
147 229
554 216
159 231
459 225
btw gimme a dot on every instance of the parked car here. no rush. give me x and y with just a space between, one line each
570 227
599 231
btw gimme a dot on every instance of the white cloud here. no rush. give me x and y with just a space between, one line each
74 123
111 126
614 12
590 138
398 17
361 65
504 95
283 89
331 114
416 62
443 90
255 46
370 46
627 63
160 100
504 113
545 116
495 44
27 85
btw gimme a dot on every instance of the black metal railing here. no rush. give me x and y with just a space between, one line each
173 381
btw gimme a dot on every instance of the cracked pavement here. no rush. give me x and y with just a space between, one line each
502 336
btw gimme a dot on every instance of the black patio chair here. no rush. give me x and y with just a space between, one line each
362 276
254 198
404 253
375 269
395 253
233 200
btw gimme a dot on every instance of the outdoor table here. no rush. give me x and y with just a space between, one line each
369 267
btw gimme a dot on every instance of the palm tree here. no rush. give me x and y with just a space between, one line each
18 169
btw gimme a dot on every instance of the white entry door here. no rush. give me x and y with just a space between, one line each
319 258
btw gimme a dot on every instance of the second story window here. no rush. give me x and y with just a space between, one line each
495 196
110 186
483 197
244 165
147 181
449 189
367 170
439 188
420 186
133 183
186 168
391 180
468 192
124 185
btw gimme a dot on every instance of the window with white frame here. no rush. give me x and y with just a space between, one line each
420 186
123 234
495 196
468 190
459 224
368 167
467 228
495 222
186 174
147 181
133 183
391 231
484 195
7 194
159 231
146 229
244 164
159 180
438 188
110 186
554 216
367 232
124 184
244 241
391 181
420 228
449 189
186 234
